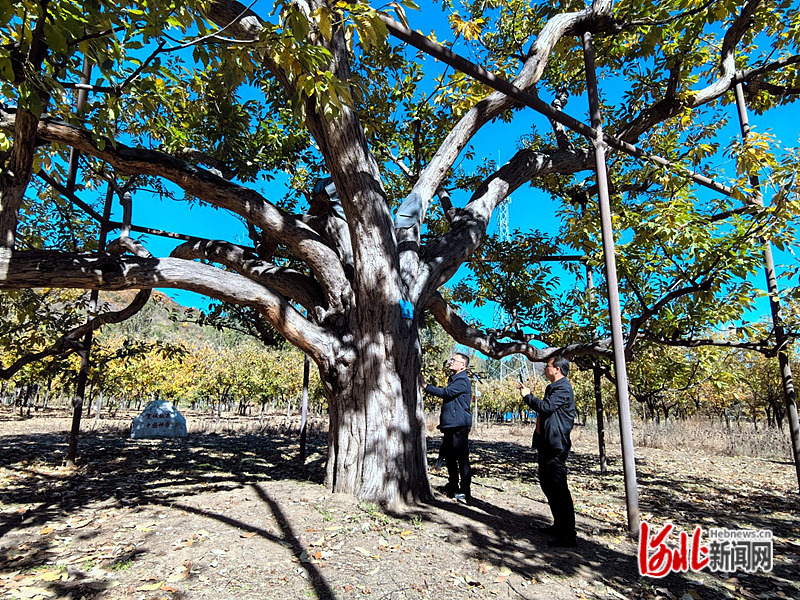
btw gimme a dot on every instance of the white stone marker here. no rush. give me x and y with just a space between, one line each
159 419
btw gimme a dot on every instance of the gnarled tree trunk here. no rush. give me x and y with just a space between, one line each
376 443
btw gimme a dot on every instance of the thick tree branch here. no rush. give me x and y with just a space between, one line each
246 25
16 174
70 341
344 146
336 232
672 104
432 177
303 241
442 256
106 272
196 156
465 334
558 27
559 130
727 57
287 282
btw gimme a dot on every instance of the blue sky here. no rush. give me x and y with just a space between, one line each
529 209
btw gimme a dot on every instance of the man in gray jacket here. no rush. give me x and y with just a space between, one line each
556 416
455 421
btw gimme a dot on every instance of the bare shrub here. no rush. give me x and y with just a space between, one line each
705 435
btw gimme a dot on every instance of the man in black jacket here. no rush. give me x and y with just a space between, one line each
455 421
556 416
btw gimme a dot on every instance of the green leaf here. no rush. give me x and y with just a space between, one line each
298 25
55 38
6 67
6 11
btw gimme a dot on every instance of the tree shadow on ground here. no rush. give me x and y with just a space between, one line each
127 473
113 467
679 498
122 472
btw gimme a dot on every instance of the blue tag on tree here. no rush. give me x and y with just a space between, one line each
406 309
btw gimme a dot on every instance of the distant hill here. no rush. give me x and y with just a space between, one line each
165 320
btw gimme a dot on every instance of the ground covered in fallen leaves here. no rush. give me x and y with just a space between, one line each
230 513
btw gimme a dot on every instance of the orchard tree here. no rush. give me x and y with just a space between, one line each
206 97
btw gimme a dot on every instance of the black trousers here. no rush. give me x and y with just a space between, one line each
553 479
455 449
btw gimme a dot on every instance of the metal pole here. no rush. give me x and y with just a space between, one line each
80 104
83 373
598 392
304 408
620 368
509 89
789 394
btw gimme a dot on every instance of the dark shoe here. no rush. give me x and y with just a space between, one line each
563 542
446 490
548 530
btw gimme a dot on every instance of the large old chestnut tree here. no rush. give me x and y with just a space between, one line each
201 100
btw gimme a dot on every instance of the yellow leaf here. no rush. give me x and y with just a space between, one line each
323 17
149 587
46 530
363 551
